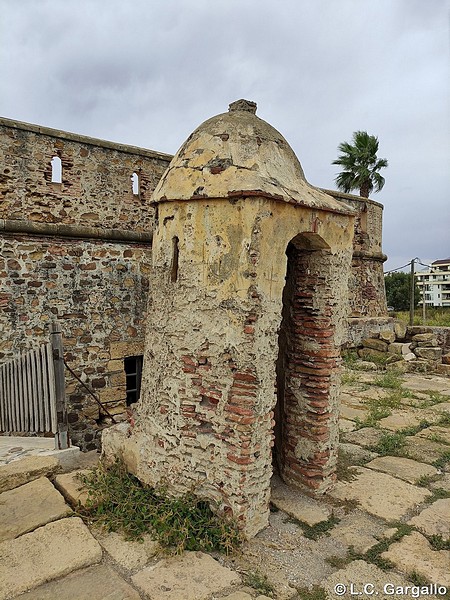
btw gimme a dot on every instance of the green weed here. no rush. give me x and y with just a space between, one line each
119 502
390 444
389 379
438 543
442 461
259 582
437 494
313 532
315 593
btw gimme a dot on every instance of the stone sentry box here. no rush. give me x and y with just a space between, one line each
247 313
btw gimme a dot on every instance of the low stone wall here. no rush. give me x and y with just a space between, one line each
416 349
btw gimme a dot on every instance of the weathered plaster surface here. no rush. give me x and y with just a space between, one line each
205 419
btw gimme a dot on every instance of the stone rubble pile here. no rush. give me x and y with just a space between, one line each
406 349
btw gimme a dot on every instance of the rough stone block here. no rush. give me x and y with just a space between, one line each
24 470
399 348
425 339
375 344
413 554
370 354
94 583
47 553
400 330
443 370
387 335
123 349
192 576
71 487
403 468
29 506
380 494
434 520
429 353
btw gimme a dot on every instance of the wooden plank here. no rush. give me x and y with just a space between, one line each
17 396
24 397
2 399
42 374
52 390
61 422
29 360
8 396
34 386
46 392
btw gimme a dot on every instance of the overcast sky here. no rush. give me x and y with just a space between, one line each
148 72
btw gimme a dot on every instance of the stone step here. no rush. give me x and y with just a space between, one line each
30 506
49 552
22 471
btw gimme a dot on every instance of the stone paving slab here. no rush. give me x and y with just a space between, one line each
49 552
441 434
424 450
442 483
424 383
356 453
295 504
399 420
71 487
360 530
435 519
414 554
351 413
94 583
29 506
192 576
366 437
359 573
129 555
346 425
22 471
380 494
404 468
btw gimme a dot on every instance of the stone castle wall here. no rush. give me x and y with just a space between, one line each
78 251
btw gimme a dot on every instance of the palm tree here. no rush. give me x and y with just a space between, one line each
361 165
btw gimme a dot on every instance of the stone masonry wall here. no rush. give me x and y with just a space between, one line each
96 188
97 288
98 292
366 283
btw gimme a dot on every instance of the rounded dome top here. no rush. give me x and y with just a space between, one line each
238 154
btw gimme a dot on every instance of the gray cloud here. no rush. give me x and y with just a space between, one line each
149 72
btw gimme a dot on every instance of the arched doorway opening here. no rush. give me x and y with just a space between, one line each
307 368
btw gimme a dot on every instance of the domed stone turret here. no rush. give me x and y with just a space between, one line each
248 303
237 154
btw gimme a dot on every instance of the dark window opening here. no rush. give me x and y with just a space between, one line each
175 257
133 373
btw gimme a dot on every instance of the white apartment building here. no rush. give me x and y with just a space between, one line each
435 283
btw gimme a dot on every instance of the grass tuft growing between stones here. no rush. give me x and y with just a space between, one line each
389 380
438 543
442 461
390 444
314 593
373 555
259 582
119 502
313 532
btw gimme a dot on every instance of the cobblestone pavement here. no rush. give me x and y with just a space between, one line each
385 525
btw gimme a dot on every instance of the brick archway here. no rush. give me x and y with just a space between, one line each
307 368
